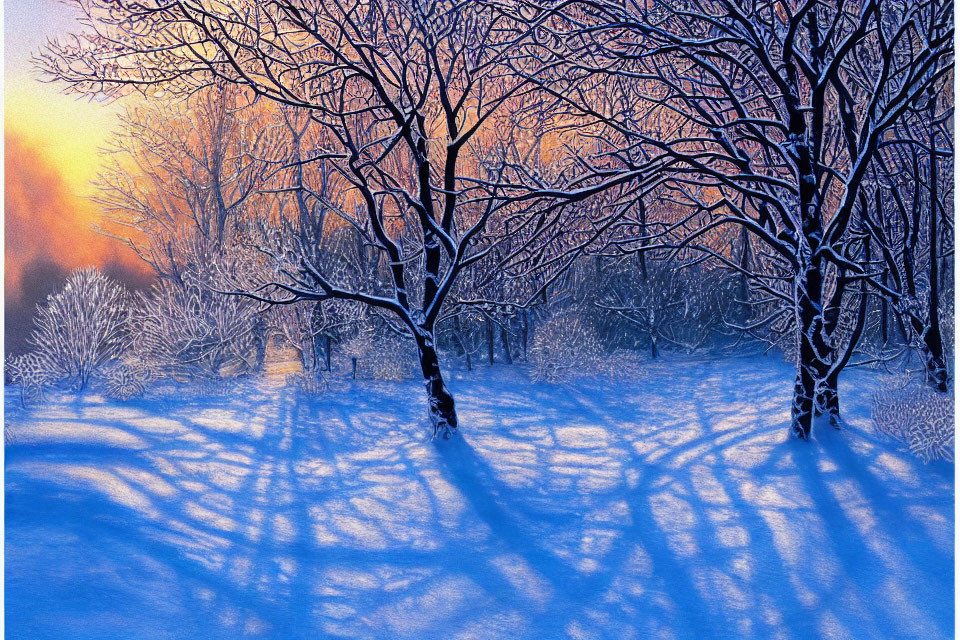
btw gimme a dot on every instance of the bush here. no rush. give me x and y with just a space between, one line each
563 346
307 383
188 332
913 413
126 381
31 373
81 327
380 357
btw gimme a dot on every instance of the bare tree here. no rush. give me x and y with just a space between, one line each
772 115
411 98
908 215
178 177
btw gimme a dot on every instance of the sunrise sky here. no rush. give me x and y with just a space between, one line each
51 155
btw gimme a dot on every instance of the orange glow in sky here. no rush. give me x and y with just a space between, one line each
51 155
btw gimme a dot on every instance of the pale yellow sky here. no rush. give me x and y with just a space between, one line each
66 130
51 156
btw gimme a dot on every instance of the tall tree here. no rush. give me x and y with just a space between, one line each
413 99
908 217
776 112
178 178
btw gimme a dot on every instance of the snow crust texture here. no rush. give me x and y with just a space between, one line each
671 506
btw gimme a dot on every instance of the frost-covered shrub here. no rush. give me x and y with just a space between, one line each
947 330
564 345
81 327
188 332
307 383
916 415
31 373
380 357
394 359
126 381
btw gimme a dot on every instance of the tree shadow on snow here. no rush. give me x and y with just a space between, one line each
673 505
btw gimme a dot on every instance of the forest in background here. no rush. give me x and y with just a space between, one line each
390 186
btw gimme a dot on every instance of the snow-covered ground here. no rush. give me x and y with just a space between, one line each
672 505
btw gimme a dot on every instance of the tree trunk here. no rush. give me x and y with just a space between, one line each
489 327
326 352
316 318
813 352
744 306
524 333
642 255
884 331
308 360
506 344
829 400
934 361
458 331
925 334
801 413
653 347
440 406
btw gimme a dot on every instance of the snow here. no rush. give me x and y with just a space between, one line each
673 505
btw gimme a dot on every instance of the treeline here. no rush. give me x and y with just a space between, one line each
458 175
188 332
637 306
